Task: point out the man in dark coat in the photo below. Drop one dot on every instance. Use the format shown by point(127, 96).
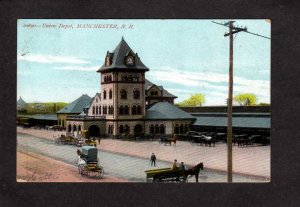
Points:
point(153, 160)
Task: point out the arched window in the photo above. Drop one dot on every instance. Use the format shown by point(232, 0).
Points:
point(186, 128)
point(96, 109)
point(156, 129)
point(152, 129)
point(105, 78)
point(74, 128)
point(124, 78)
point(176, 129)
point(104, 94)
point(121, 110)
point(93, 109)
point(96, 100)
point(110, 94)
point(139, 110)
point(104, 109)
point(127, 129)
point(110, 110)
point(181, 129)
point(123, 94)
point(109, 78)
point(121, 129)
point(162, 129)
point(133, 110)
point(135, 78)
point(69, 128)
point(99, 109)
point(126, 110)
point(136, 94)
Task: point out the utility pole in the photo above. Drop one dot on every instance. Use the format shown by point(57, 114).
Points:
point(232, 30)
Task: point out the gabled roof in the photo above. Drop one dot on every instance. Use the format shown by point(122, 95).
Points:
point(149, 84)
point(21, 101)
point(77, 105)
point(118, 56)
point(165, 110)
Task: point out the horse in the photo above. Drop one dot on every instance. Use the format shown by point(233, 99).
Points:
point(193, 171)
point(169, 141)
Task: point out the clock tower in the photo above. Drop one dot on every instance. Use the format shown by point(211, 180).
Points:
point(122, 82)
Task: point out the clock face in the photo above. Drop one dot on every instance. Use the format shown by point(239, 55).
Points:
point(129, 61)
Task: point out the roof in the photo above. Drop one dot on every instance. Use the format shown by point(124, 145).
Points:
point(237, 121)
point(52, 117)
point(21, 101)
point(149, 84)
point(118, 55)
point(76, 106)
point(165, 110)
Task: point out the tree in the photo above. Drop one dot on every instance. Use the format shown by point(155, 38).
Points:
point(194, 100)
point(245, 99)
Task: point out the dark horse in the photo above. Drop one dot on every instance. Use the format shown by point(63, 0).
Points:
point(193, 171)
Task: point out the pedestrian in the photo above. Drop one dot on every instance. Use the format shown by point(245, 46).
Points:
point(175, 166)
point(153, 160)
point(182, 167)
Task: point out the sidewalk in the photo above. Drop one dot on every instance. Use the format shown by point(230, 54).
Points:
point(253, 161)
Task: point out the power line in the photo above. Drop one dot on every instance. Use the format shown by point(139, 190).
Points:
point(245, 29)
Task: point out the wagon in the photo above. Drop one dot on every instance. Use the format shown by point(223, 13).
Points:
point(165, 175)
point(88, 162)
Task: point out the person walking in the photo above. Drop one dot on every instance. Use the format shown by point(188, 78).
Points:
point(153, 160)
point(175, 166)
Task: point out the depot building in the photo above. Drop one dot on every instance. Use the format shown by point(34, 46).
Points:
point(127, 105)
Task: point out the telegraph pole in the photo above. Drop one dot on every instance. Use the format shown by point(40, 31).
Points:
point(232, 30)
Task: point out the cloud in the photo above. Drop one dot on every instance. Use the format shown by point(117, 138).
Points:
point(79, 68)
point(39, 58)
point(211, 84)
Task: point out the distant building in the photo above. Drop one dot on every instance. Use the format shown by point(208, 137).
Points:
point(21, 104)
point(74, 108)
point(128, 104)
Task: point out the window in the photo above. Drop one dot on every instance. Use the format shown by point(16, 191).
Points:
point(96, 109)
point(105, 78)
point(121, 110)
point(126, 110)
point(104, 94)
point(136, 94)
point(96, 100)
point(69, 128)
point(99, 109)
point(123, 94)
point(104, 109)
point(162, 129)
point(139, 110)
point(110, 110)
point(133, 110)
point(110, 94)
point(152, 129)
point(176, 129)
point(121, 129)
point(181, 129)
point(93, 109)
point(124, 77)
point(156, 129)
point(127, 129)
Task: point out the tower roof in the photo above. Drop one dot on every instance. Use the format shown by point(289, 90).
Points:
point(76, 106)
point(118, 57)
point(21, 101)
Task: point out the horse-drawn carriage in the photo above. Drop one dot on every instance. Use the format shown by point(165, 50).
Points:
point(87, 162)
point(167, 140)
point(70, 140)
point(202, 138)
point(173, 175)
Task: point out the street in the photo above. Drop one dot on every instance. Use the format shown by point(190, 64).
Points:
point(118, 165)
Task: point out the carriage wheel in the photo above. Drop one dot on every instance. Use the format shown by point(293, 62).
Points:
point(100, 172)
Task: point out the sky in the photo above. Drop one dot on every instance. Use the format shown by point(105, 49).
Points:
point(57, 59)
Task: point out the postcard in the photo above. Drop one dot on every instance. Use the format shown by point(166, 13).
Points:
point(135, 100)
